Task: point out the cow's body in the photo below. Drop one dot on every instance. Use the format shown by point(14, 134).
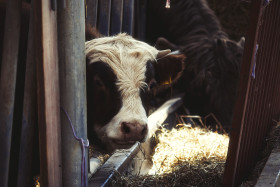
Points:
point(212, 62)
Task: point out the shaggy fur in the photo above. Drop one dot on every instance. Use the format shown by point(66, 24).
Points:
point(212, 59)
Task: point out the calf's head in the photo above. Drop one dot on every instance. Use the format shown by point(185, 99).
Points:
point(120, 76)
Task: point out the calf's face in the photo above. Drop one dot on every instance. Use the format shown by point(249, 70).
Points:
point(120, 74)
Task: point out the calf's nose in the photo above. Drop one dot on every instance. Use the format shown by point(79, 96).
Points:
point(134, 131)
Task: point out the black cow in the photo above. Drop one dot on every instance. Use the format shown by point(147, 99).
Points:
point(212, 62)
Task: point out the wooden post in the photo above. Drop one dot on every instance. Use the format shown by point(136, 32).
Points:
point(72, 66)
point(29, 114)
point(128, 16)
point(91, 12)
point(116, 17)
point(8, 83)
point(104, 17)
point(48, 93)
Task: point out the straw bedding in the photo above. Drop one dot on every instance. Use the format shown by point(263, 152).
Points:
point(184, 156)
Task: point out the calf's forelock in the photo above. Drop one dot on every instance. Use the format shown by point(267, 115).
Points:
point(126, 56)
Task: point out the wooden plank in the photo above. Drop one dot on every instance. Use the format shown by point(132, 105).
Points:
point(270, 176)
point(104, 16)
point(8, 83)
point(241, 102)
point(141, 16)
point(71, 32)
point(116, 17)
point(29, 121)
point(48, 93)
point(91, 12)
point(128, 16)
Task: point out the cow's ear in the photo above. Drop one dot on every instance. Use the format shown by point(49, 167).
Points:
point(169, 68)
point(91, 32)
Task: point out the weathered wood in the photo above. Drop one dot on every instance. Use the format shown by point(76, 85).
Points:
point(140, 19)
point(24, 174)
point(128, 16)
point(116, 17)
point(72, 66)
point(104, 17)
point(91, 12)
point(8, 83)
point(48, 93)
point(270, 176)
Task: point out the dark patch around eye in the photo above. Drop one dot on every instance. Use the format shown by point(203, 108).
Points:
point(103, 97)
point(150, 72)
point(145, 94)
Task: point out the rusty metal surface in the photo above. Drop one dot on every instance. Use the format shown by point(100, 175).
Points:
point(254, 114)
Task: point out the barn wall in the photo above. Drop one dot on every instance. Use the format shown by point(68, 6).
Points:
point(261, 105)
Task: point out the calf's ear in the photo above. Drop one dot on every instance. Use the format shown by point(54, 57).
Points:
point(169, 68)
point(91, 32)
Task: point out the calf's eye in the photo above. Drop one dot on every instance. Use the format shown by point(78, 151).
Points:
point(152, 84)
point(98, 82)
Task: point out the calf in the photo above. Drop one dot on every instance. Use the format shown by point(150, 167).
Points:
point(211, 71)
point(121, 74)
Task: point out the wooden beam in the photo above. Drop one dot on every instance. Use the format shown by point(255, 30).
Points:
point(29, 115)
point(116, 17)
point(48, 93)
point(104, 17)
point(8, 84)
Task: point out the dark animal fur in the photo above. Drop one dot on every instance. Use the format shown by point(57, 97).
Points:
point(212, 62)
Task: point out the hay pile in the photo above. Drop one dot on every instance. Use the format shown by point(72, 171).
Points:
point(184, 156)
point(190, 145)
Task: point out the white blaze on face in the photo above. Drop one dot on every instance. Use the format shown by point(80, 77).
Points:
point(127, 57)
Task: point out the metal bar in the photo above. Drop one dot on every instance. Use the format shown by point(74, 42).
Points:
point(128, 16)
point(241, 102)
point(29, 114)
point(91, 12)
point(116, 17)
point(72, 66)
point(8, 83)
point(48, 93)
point(104, 15)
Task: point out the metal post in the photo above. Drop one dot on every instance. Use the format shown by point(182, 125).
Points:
point(71, 45)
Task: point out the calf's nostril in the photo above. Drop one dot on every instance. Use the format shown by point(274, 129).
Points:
point(125, 128)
